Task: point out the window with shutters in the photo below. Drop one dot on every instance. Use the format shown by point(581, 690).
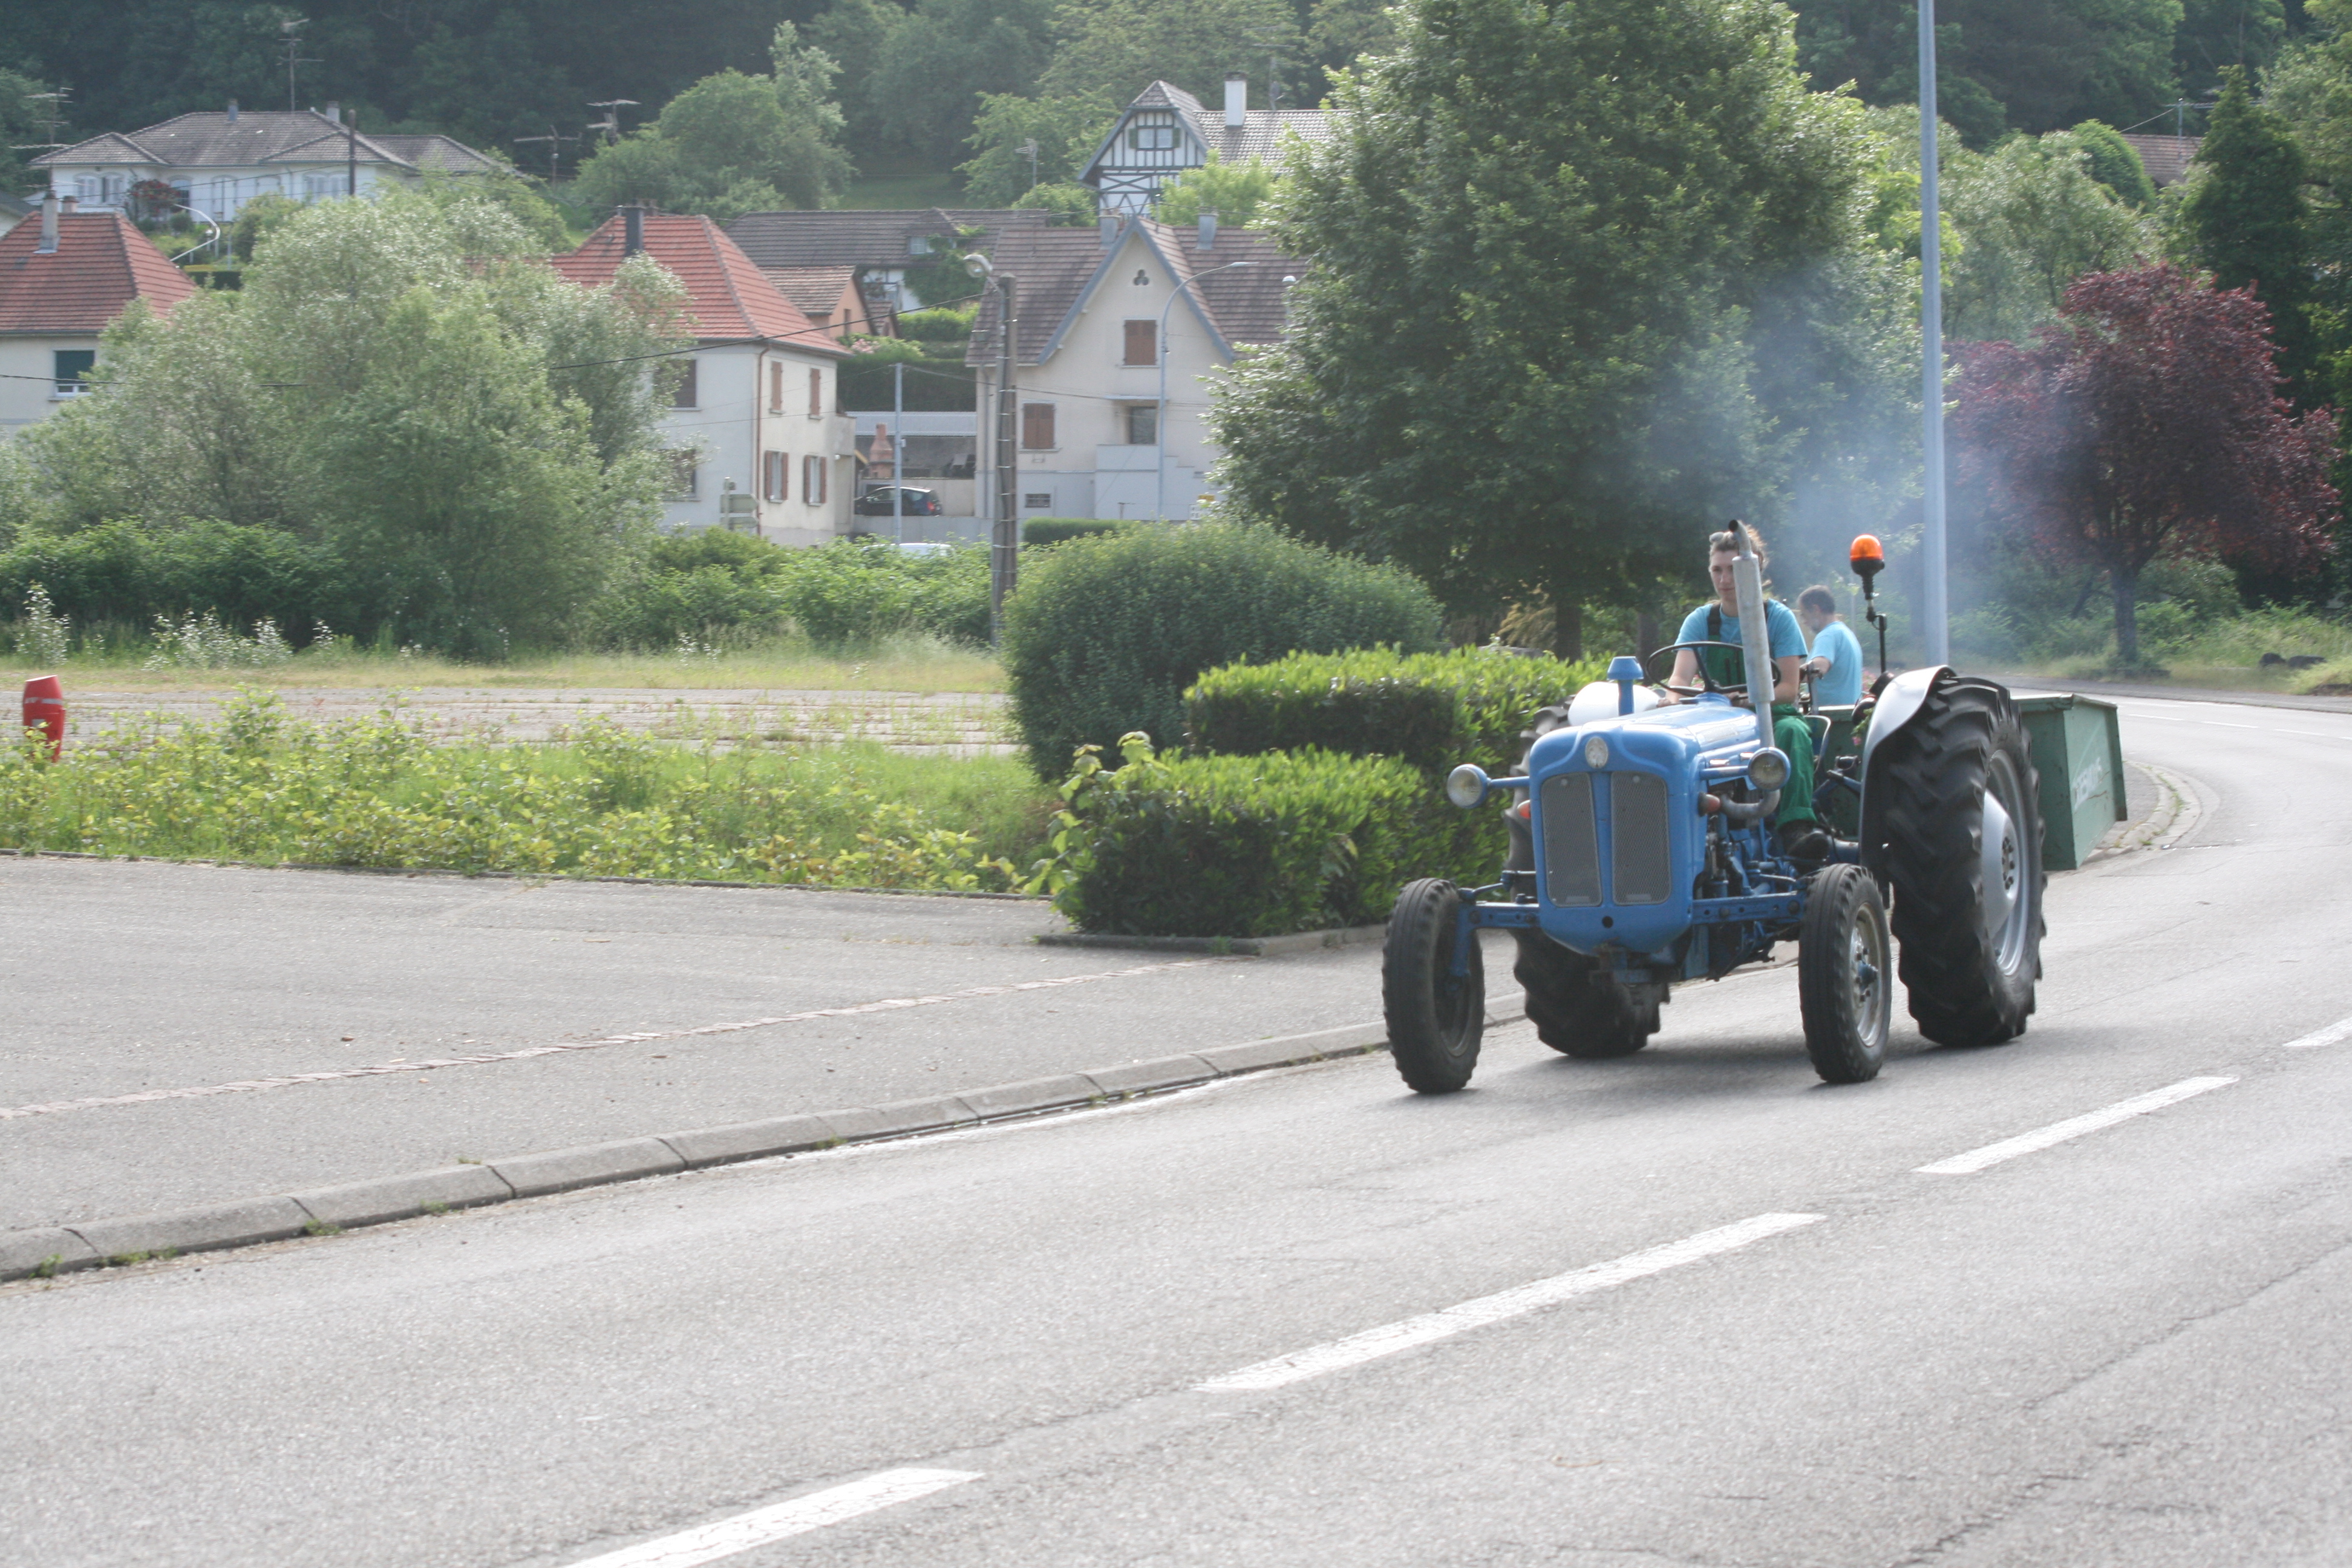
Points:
point(816, 395)
point(1037, 426)
point(1143, 343)
point(687, 394)
point(775, 470)
point(812, 480)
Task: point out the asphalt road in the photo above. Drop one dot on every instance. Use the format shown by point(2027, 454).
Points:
point(2124, 1347)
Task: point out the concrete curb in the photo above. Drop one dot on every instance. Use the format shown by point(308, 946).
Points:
point(57, 1249)
point(1245, 946)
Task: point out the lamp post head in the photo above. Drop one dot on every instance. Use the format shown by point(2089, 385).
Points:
point(977, 265)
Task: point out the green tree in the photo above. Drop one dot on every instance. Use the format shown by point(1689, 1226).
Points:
point(2114, 163)
point(1235, 192)
point(2030, 219)
point(1119, 48)
point(2244, 217)
point(2215, 35)
point(939, 67)
point(1066, 130)
point(733, 144)
point(1587, 275)
point(472, 435)
point(22, 118)
point(854, 34)
point(1339, 32)
point(1073, 206)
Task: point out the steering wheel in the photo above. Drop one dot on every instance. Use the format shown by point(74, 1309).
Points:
point(1707, 683)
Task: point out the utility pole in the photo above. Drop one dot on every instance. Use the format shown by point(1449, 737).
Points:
point(352, 150)
point(292, 29)
point(897, 452)
point(1005, 534)
point(1934, 613)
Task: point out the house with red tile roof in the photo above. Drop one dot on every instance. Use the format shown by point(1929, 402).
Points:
point(757, 436)
point(64, 277)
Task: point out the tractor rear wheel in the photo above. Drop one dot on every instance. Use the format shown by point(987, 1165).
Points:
point(1578, 1009)
point(1434, 1017)
point(1845, 985)
point(1959, 827)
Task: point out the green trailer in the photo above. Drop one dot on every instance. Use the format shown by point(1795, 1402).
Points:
point(2078, 750)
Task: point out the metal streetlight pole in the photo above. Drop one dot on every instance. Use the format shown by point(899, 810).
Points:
point(1934, 613)
point(1160, 417)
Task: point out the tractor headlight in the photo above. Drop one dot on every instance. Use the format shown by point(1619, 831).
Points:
point(1769, 769)
point(1466, 786)
point(1596, 752)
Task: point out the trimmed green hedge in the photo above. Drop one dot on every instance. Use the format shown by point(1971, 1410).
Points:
point(1107, 633)
point(128, 573)
point(1235, 845)
point(1056, 530)
point(1432, 711)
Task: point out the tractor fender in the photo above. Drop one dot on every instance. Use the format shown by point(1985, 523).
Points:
point(1897, 705)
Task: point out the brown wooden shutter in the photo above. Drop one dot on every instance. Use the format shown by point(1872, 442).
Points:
point(816, 393)
point(1143, 343)
point(775, 389)
point(1038, 425)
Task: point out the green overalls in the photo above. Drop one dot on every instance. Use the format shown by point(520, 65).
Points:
point(1789, 731)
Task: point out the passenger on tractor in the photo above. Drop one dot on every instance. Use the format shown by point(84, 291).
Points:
point(1801, 836)
point(1836, 661)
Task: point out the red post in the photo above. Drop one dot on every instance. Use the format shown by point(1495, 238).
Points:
point(45, 709)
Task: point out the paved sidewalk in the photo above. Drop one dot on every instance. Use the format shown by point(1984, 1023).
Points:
point(130, 979)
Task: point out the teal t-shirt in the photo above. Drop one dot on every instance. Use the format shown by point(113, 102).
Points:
point(1840, 687)
point(1782, 634)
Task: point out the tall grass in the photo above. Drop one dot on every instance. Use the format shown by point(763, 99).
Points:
point(260, 785)
point(120, 659)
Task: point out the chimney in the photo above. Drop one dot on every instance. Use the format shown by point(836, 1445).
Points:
point(48, 244)
point(232, 111)
point(1108, 224)
point(1236, 99)
point(1208, 228)
point(69, 205)
point(633, 230)
point(334, 112)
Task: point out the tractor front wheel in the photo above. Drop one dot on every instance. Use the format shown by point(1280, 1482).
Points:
point(1846, 986)
point(1579, 1008)
point(1434, 1017)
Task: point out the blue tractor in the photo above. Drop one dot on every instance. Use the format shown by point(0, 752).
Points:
point(1642, 854)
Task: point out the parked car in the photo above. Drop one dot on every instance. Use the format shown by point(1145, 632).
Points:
point(912, 502)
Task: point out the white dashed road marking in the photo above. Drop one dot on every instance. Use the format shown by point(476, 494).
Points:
point(711, 1542)
point(1373, 1344)
point(1976, 1159)
point(2339, 1030)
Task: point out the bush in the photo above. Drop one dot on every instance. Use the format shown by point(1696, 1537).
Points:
point(1056, 530)
point(1431, 710)
point(1235, 846)
point(130, 574)
point(1106, 634)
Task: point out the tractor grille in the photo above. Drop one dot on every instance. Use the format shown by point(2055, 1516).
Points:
point(1571, 842)
point(1637, 832)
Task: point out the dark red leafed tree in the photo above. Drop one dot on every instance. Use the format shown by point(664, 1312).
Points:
point(2145, 422)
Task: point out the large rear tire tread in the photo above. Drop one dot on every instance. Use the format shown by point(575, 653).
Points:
point(1845, 1014)
point(1935, 777)
point(1435, 1021)
point(1577, 1009)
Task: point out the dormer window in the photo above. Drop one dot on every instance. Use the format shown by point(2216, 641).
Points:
point(1155, 133)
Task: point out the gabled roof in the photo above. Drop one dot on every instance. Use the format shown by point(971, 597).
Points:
point(100, 265)
point(1258, 136)
point(1060, 269)
point(2166, 158)
point(729, 298)
point(817, 290)
point(214, 140)
point(877, 238)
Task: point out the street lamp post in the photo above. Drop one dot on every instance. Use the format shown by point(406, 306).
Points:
point(1159, 416)
point(1004, 532)
point(1934, 610)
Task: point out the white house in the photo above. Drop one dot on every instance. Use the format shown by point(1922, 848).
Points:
point(64, 277)
point(756, 436)
point(1123, 329)
point(1166, 131)
point(217, 162)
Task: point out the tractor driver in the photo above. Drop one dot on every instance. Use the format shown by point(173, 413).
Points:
point(1802, 837)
